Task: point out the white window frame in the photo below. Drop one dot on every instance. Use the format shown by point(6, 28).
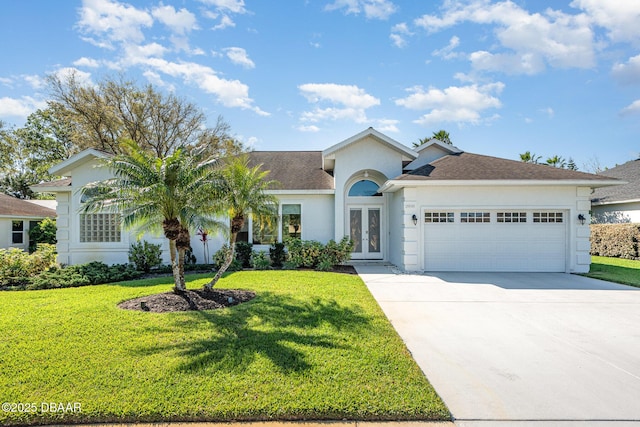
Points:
point(548, 217)
point(511, 217)
point(475, 217)
point(438, 217)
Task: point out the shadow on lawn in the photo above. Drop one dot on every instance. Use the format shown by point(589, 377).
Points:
point(271, 325)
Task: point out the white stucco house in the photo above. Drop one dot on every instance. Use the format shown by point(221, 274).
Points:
point(18, 216)
point(434, 208)
point(620, 203)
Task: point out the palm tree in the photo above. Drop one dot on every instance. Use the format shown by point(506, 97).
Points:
point(244, 195)
point(556, 161)
point(174, 194)
point(528, 157)
point(442, 136)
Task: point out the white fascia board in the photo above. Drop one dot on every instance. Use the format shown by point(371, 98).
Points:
point(287, 192)
point(394, 185)
point(61, 168)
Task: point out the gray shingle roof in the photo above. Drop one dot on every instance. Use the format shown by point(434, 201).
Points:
point(295, 170)
point(64, 182)
point(469, 166)
point(629, 172)
point(10, 206)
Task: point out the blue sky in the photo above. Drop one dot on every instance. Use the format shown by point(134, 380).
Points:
point(502, 77)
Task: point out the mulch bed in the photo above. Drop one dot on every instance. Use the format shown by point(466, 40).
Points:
point(191, 300)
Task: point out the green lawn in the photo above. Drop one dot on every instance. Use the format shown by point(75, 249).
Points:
point(311, 345)
point(617, 270)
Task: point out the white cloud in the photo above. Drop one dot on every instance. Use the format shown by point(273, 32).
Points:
point(82, 77)
point(548, 111)
point(116, 22)
point(627, 73)
point(372, 9)
point(387, 125)
point(620, 17)
point(225, 22)
point(35, 81)
point(348, 102)
point(633, 108)
point(230, 93)
point(239, 56)
point(531, 39)
point(20, 107)
point(310, 128)
point(180, 22)
point(398, 33)
point(347, 95)
point(461, 104)
point(86, 62)
point(156, 80)
point(447, 52)
point(234, 6)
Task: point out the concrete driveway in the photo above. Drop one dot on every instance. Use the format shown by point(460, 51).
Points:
point(519, 347)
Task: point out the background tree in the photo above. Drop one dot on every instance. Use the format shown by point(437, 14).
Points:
point(244, 195)
point(528, 157)
point(116, 110)
point(173, 195)
point(557, 162)
point(441, 135)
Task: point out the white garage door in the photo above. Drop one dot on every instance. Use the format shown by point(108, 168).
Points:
point(492, 240)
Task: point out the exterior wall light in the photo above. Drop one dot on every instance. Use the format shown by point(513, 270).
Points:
point(415, 219)
point(581, 218)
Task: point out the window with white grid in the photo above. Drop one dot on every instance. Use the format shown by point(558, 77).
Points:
point(438, 217)
point(547, 217)
point(475, 217)
point(512, 217)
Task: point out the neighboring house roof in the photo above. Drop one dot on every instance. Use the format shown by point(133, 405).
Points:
point(63, 184)
point(18, 208)
point(476, 167)
point(629, 192)
point(295, 170)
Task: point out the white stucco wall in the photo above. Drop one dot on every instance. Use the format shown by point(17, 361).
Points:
point(6, 232)
point(396, 226)
point(367, 154)
point(618, 212)
point(574, 200)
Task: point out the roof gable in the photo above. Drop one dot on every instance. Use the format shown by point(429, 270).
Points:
point(63, 168)
point(431, 151)
point(378, 136)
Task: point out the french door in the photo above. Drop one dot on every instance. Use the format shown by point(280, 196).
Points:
point(365, 230)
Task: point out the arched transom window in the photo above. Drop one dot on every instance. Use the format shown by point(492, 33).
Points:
point(364, 188)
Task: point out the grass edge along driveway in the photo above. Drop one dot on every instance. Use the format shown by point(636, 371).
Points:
point(311, 345)
point(618, 270)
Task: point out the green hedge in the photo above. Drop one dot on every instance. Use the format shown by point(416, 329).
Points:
point(615, 240)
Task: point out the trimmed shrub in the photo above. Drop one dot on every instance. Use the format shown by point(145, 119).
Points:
point(93, 273)
point(260, 260)
point(277, 255)
point(145, 255)
point(243, 253)
point(311, 253)
point(615, 240)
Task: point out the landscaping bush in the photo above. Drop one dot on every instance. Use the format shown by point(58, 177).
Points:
point(221, 255)
point(43, 232)
point(17, 266)
point(615, 240)
point(277, 255)
point(145, 255)
point(260, 260)
point(243, 253)
point(311, 253)
point(93, 273)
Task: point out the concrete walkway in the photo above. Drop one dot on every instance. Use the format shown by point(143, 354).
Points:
point(520, 349)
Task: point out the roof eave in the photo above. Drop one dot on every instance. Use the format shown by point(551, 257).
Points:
point(329, 152)
point(396, 184)
point(615, 202)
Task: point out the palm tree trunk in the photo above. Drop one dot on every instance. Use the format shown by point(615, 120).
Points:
point(178, 284)
point(181, 253)
point(227, 262)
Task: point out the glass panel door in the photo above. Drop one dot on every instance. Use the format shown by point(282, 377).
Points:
point(374, 230)
point(355, 229)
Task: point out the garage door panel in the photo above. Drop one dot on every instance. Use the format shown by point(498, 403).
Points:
point(494, 246)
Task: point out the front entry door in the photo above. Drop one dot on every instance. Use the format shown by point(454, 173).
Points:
point(365, 229)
